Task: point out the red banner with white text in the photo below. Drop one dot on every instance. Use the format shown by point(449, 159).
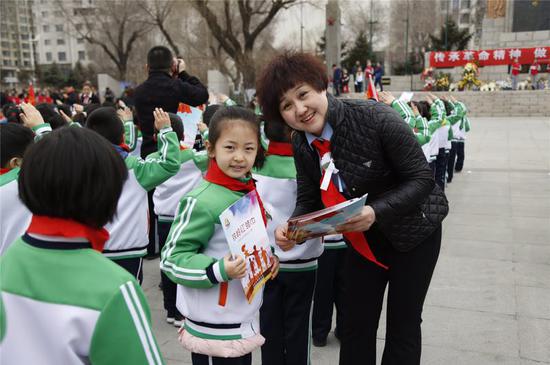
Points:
point(490, 57)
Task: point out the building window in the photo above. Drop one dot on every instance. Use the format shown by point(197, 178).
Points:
point(26, 55)
point(44, 14)
point(59, 28)
point(46, 28)
point(61, 56)
point(464, 4)
point(5, 44)
point(24, 28)
point(78, 26)
point(80, 40)
point(81, 55)
point(465, 18)
point(26, 63)
point(58, 13)
point(49, 56)
point(25, 36)
point(25, 46)
point(6, 53)
point(47, 42)
point(7, 62)
point(60, 42)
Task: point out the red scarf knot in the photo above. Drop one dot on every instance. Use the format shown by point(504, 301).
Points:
point(331, 197)
point(216, 176)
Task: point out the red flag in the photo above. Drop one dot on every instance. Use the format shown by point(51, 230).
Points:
point(32, 99)
point(371, 89)
point(184, 108)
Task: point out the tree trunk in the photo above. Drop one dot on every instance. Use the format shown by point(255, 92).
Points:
point(245, 65)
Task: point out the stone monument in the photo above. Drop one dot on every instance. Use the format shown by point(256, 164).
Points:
point(332, 35)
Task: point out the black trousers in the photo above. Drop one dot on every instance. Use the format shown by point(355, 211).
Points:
point(169, 288)
point(408, 279)
point(152, 246)
point(285, 318)
point(329, 292)
point(134, 266)
point(441, 167)
point(456, 159)
point(200, 359)
point(459, 156)
point(379, 82)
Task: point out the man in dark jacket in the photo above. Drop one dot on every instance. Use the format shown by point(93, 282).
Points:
point(168, 85)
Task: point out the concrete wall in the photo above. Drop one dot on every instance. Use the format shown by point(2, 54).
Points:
point(529, 103)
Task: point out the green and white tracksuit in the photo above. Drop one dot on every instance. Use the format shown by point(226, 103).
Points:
point(462, 124)
point(276, 185)
point(168, 194)
point(419, 126)
point(435, 124)
point(129, 229)
point(193, 258)
point(69, 305)
point(14, 215)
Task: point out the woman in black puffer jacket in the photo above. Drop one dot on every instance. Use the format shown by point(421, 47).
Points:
point(369, 149)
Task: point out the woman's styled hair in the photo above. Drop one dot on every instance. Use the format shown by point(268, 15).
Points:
point(224, 115)
point(105, 121)
point(285, 72)
point(14, 140)
point(72, 173)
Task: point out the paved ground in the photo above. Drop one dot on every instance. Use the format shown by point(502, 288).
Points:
point(489, 302)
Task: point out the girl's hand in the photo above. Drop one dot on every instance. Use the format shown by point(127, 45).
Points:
point(359, 223)
point(234, 267)
point(126, 115)
point(275, 267)
point(78, 108)
point(281, 238)
point(162, 119)
point(415, 109)
point(30, 116)
point(65, 116)
point(202, 126)
point(386, 97)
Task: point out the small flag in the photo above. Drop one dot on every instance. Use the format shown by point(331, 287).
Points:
point(371, 92)
point(32, 98)
point(184, 108)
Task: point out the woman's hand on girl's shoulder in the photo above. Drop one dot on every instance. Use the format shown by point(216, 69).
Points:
point(235, 268)
point(281, 239)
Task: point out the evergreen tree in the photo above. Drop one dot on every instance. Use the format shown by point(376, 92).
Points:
point(52, 75)
point(361, 51)
point(457, 40)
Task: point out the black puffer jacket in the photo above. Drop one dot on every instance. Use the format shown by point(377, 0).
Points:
point(375, 153)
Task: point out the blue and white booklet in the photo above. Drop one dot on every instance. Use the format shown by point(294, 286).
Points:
point(324, 222)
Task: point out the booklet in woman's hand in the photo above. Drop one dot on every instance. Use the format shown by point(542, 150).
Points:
point(324, 222)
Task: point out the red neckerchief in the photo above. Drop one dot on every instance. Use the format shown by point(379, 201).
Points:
point(182, 147)
point(4, 170)
point(279, 148)
point(332, 196)
point(50, 226)
point(216, 176)
point(124, 146)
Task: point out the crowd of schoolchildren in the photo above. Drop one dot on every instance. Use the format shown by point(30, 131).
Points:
point(75, 227)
